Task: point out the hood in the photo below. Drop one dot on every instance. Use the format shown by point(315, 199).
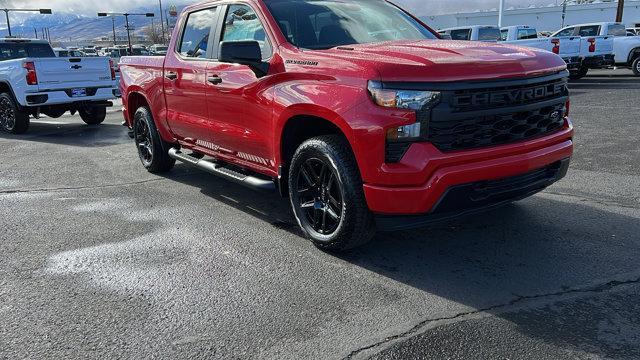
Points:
point(448, 60)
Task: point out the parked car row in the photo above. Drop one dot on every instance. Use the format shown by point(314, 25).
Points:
point(583, 46)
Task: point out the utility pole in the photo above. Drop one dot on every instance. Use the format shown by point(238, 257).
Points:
point(113, 25)
point(162, 24)
point(501, 13)
point(620, 11)
point(6, 13)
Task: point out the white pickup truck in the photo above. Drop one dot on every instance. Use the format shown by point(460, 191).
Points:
point(596, 48)
point(34, 81)
point(626, 49)
point(568, 47)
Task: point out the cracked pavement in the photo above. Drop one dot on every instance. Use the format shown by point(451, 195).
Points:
point(99, 259)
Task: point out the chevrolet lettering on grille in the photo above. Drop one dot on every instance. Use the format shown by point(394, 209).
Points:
point(506, 97)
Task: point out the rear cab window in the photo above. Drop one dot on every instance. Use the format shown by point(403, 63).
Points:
point(525, 34)
point(461, 34)
point(616, 30)
point(489, 34)
point(591, 30)
point(19, 50)
point(194, 42)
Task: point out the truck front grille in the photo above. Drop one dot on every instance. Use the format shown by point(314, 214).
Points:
point(479, 131)
point(476, 115)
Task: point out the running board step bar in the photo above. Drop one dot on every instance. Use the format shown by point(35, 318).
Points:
point(229, 174)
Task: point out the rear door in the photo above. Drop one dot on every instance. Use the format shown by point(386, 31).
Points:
point(185, 80)
point(243, 123)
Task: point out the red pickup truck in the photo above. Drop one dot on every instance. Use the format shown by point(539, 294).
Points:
point(355, 110)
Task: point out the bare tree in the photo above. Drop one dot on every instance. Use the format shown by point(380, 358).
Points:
point(153, 32)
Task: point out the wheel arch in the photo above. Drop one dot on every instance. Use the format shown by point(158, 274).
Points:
point(633, 54)
point(5, 87)
point(300, 127)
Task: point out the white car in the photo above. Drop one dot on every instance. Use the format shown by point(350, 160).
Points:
point(34, 81)
point(568, 48)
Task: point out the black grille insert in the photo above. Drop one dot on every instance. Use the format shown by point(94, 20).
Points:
point(494, 114)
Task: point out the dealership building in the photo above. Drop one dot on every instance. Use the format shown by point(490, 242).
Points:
point(544, 18)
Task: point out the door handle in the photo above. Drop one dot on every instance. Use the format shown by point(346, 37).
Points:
point(171, 75)
point(215, 80)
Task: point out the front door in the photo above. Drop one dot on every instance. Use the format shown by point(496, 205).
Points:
point(242, 121)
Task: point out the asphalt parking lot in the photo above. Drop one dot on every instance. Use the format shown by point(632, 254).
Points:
point(99, 259)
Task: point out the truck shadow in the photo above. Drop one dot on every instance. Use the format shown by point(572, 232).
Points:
point(535, 248)
point(72, 134)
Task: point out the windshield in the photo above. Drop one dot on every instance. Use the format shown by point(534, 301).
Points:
point(18, 50)
point(324, 24)
point(617, 30)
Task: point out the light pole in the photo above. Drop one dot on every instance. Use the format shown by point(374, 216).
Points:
point(501, 13)
point(564, 12)
point(126, 18)
point(162, 23)
point(6, 13)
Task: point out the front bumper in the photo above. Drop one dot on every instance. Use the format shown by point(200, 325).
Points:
point(443, 171)
point(63, 96)
point(466, 199)
point(596, 62)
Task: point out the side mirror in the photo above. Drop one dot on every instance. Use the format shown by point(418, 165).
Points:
point(244, 53)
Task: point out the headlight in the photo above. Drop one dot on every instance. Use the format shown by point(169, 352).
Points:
point(404, 99)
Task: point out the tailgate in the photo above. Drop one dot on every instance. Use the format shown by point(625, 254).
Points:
point(604, 45)
point(65, 73)
point(569, 46)
point(544, 43)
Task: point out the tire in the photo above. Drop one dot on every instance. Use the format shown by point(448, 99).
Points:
point(93, 115)
point(579, 73)
point(12, 119)
point(635, 66)
point(327, 198)
point(152, 150)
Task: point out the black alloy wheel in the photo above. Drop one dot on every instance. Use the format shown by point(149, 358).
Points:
point(144, 142)
point(319, 195)
point(7, 114)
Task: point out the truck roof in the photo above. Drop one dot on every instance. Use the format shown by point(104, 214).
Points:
point(22, 40)
point(470, 27)
point(518, 27)
point(597, 23)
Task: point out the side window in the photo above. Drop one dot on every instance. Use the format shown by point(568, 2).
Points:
point(242, 24)
point(195, 36)
point(461, 34)
point(592, 30)
point(566, 32)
